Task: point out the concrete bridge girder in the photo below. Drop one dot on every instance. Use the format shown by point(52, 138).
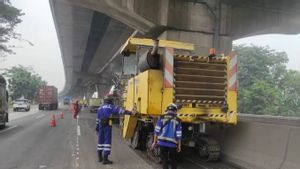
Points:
point(191, 21)
point(185, 20)
point(114, 10)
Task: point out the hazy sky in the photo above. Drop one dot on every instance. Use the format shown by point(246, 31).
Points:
point(45, 58)
point(38, 27)
point(288, 43)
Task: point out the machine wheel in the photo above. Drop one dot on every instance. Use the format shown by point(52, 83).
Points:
point(3, 125)
point(135, 139)
point(6, 118)
point(154, 155)
point(208, 149)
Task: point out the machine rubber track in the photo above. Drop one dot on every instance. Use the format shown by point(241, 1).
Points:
point(209, 149)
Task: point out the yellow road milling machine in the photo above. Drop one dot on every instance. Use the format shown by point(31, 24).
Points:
point(156, 73)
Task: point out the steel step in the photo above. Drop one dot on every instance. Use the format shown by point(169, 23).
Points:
point(200, 78)
point(199, 91)
point(202, 65)
point(203, 85)
point(198, 71)
point(198, 97)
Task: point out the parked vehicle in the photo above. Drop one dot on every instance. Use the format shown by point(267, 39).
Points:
point(67, 100)
point(21, 104)
point(83, 102)
point(47, 98)
point(3, 102)
point(94, 104)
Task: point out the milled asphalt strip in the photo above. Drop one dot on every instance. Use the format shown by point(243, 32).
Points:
point(197, 164)
point(10, 128)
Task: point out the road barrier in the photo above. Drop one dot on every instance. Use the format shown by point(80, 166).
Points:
point(261, 142)
point(61, 115)
point(52, 121)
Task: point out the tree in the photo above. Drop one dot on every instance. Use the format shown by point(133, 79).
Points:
point(9, 18)
point(290, 100)
point(266, 86)
point(22, 81)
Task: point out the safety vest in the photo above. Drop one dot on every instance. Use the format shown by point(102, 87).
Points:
point(168, 128)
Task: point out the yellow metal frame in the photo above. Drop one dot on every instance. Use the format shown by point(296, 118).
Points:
point(132, 43)
point(213, 114)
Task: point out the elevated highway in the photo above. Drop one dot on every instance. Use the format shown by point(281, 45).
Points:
point(91, 34)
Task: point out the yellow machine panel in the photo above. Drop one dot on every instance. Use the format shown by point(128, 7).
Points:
point(145, 93)
point(129, 124)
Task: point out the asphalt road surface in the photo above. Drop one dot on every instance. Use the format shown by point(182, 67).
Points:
point(28, 142)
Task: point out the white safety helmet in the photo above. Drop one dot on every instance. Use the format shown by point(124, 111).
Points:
point(172, 107)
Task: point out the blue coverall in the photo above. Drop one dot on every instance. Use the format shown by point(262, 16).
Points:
point(168, 130)
point(104, 135)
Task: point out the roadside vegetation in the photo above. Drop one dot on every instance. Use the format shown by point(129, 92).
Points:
point(10, 17)
point(266, 86)
point(23, 81)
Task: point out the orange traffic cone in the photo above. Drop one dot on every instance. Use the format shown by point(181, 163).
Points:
point(61, 115)
point(53, 122)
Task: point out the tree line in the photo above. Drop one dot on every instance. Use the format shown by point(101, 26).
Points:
point(265, 84)
point(23, 82)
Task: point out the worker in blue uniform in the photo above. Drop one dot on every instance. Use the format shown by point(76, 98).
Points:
point(167, 135)
point(104, 127)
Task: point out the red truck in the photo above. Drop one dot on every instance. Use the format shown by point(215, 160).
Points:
point(47, 98)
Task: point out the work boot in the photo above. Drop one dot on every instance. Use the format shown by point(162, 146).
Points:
point(106, 160)
point(100, 159)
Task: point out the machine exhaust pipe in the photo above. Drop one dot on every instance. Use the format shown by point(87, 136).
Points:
point(150, 60)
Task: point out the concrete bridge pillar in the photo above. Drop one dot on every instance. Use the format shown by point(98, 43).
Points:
point(203, 23)
point(101, 90)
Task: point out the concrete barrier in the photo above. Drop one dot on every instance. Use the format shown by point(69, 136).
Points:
point(261, 142)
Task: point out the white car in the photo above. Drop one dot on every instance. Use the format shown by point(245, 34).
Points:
point(21, 104)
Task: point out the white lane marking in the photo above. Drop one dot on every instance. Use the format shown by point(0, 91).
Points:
point(40, 116)
point(77, 119)
point(202, 166)
point(78, 131)
point(42, 166)
point(77, 143)
point(9, 128)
